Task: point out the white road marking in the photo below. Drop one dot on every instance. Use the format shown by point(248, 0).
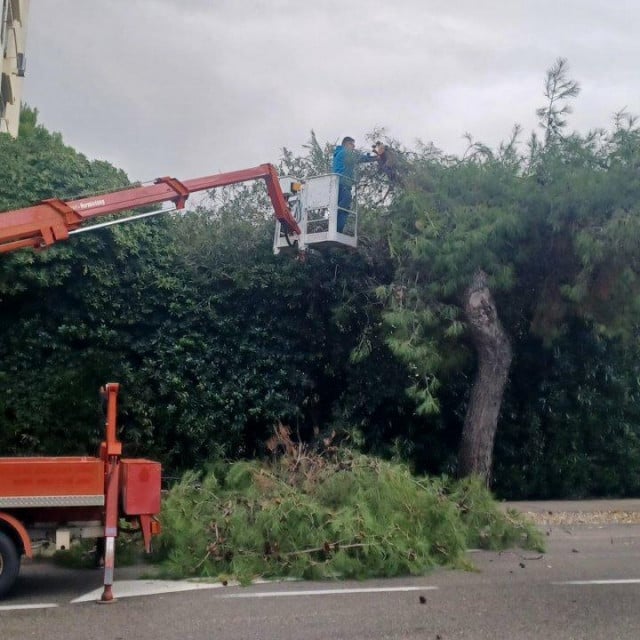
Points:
point(133, 588)
point(18, 607)
point(323, 592)
point(587, 582)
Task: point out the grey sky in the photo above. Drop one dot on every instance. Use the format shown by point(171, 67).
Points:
point(192, 87)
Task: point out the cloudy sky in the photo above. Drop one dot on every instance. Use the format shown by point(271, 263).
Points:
point(193, 87)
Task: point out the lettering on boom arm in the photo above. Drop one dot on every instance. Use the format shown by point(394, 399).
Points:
point(92, 204)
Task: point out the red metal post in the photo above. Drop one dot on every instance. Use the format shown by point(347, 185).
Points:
point(110, 452)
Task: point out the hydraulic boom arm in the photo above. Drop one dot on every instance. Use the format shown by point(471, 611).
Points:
point(50, 221)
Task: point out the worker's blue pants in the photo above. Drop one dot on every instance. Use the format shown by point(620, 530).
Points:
point(344, 205)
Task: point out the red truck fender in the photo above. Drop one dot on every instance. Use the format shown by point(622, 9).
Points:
point(15, 526)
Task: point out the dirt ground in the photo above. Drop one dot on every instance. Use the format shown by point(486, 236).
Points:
point(579, 512)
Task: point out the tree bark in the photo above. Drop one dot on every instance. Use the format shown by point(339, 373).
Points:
point(493, 349)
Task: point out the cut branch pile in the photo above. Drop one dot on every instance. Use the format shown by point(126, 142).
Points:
point(331, 513)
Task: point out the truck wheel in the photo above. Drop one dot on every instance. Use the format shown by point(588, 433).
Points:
point(9, 563)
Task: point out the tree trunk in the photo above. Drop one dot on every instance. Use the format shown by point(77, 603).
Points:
point(494, 359)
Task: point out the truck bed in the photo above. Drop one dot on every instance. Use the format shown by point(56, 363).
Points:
point(51, 482)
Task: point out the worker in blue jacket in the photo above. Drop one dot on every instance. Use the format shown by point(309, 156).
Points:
point(345, 159)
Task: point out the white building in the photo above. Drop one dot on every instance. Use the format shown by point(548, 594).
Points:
point(13, 31)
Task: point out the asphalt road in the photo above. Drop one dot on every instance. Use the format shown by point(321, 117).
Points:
point(512, 595)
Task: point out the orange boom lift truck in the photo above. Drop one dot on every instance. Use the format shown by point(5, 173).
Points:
point(57, 498)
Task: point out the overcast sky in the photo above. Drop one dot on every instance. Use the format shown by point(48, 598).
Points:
point(194, 87)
